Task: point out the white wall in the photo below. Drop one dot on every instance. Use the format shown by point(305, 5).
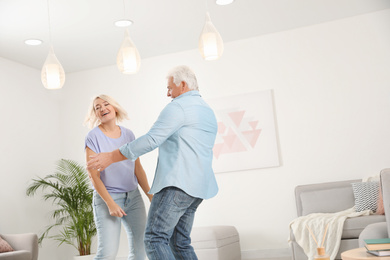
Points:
point(331, 86)
point(30, 146)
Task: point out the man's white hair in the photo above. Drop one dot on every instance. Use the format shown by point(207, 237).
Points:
point(183, 73)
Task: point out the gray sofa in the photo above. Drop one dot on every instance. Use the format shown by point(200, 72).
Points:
point(25, 246)
point(331, 197)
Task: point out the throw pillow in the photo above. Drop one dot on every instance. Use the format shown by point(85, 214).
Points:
point(366, 195)
point(380, 209)
point(4, 246)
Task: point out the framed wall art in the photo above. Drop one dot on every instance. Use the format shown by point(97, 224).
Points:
point(246, 136)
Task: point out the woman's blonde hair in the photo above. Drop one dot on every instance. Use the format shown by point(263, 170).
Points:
point(91, 120)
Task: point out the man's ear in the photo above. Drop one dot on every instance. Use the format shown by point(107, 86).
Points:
point(184, 85)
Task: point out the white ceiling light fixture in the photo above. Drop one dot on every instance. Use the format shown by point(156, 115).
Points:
point(128, 59)
point(52, 74)
point(210, 41)
point(33, 42)
point(123, 23)
point(224, 2)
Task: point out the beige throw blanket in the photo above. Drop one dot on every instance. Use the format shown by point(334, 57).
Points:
point(317, 223)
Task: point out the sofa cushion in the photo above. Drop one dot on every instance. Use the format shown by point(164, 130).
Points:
point(354, 226)
point(366, 195)
point(323, 201)
point(4, 246)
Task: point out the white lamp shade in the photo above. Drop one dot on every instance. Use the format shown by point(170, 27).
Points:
point(52, 74)
point(210, 41)
point(128, 59)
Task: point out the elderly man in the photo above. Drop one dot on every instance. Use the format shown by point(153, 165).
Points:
point(185, 133)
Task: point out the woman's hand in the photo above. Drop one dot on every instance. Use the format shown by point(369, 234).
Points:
point(116, 211)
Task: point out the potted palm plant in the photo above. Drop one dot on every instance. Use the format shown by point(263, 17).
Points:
point(68, 188)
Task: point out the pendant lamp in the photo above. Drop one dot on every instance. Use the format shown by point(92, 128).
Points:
point(128, 59)
point(52, 74)
point(210, 41)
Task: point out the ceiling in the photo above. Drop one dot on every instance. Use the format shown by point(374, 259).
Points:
point(84, 35)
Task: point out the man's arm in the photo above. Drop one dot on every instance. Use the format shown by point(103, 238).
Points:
point(169, 121)
point(101, 161)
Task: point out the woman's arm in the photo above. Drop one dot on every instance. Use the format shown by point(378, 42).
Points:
point(142, 179)
point(94, 175)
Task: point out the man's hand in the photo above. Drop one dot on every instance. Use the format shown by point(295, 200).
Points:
point(99, 161)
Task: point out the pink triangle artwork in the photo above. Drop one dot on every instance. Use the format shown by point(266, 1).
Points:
point(237, 117)
point(246, 136)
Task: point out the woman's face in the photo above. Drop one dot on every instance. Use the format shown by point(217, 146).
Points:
point(103, 110)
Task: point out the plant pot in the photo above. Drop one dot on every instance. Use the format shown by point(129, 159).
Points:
point(84, 257)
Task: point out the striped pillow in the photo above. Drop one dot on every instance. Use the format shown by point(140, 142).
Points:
point(366, 195)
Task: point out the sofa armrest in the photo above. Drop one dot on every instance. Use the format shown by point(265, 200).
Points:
point(16, 255)
point(28, 242)
point(327, 197)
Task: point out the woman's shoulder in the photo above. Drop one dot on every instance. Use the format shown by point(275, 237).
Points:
point(93, 132)
point(125, 129)
point(127, 132)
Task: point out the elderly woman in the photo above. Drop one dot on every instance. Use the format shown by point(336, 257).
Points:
point(116, 196)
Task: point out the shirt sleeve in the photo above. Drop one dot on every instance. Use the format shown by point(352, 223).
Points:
point(169, 121)
point(90, 142)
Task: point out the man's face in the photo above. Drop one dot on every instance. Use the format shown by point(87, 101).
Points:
point(173, 90)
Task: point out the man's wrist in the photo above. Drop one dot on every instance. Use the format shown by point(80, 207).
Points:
point(117, 156)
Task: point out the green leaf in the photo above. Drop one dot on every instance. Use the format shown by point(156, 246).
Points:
point(68, 188)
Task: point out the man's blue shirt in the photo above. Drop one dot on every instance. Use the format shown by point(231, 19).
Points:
point(185, 133)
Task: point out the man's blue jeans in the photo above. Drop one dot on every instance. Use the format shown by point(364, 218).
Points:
point(169, 225)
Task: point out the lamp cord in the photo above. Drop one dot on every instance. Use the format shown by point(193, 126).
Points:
point(48, 17)
point(124, 10)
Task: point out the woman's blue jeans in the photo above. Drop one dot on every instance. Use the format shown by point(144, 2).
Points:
point(109, 227)
point(169, 225)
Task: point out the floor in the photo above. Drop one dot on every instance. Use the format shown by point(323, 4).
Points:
point(277, 258)
point(269, 254)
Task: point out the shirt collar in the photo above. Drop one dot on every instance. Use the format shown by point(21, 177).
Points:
point(189, 93)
